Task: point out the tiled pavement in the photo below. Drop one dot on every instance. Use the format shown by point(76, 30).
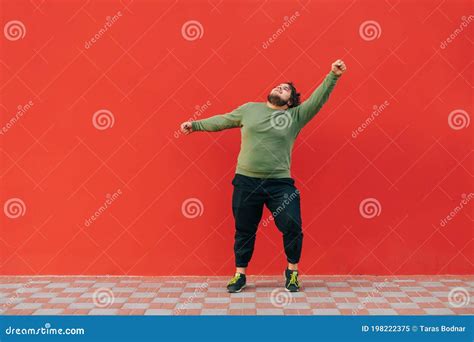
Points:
point(321, 295)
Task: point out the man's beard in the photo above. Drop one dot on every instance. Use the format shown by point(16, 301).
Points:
point(276, 100)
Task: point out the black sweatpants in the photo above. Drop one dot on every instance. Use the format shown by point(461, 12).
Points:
point(282, 198)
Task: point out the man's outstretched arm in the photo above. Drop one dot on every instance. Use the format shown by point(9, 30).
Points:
point(308, 109)
point(215, 123)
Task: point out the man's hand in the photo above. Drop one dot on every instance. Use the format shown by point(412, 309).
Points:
point(186, 127)
point(338, 67)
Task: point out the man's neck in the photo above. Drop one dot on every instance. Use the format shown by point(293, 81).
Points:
point(272, 106)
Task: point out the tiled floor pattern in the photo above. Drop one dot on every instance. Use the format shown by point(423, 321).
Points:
point(264, 295)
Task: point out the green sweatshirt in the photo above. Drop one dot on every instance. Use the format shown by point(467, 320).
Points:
point(267, 134)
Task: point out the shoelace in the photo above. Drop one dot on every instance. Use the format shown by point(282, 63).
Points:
point(234, 279)
point(294, 279)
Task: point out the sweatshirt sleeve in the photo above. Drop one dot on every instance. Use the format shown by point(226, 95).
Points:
point(220, 122)
point(308, 109)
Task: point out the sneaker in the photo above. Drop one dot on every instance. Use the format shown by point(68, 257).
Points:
point(292, 284)
point(237, 283)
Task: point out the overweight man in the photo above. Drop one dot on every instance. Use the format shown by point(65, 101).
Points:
point(262, 176)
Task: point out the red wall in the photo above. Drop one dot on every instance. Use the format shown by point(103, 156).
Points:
point(57, 168)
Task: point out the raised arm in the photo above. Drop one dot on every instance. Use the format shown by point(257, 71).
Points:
point(215, 123)
point(308, 109)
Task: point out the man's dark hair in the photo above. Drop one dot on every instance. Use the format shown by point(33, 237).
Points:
point(294, 97)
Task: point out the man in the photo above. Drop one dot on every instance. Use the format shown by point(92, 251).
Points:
point(263, 176)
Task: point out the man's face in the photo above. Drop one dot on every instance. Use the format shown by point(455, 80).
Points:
point(280, 95)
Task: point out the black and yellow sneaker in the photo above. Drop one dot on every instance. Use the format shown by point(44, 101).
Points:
point(291, 284)
point(237, 283)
